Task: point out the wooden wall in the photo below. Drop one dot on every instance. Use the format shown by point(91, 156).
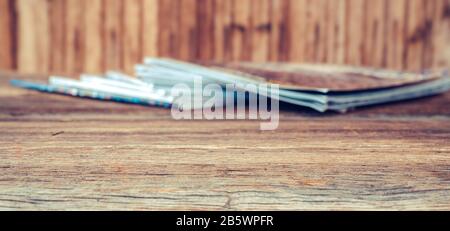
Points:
point(71, 36)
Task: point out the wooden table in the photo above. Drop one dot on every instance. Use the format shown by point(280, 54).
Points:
point(59, 152)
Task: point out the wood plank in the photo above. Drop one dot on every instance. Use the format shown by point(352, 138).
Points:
point(174, 25)
point(298, 35)
point(241, 30)
point(222, 30)
point(282, 41)
point(261, 29)
point(25, 60)
point(132, 43)
point(113, 40)
point(278, 35)
point(33, 36)
point(396, 36)
point(57, 17)
point(354, 38)
point(8, 38)
point(150, 28)
point(428, 48)
point(316, 50)
point(167, 19)
point(125, 163)
point(441, 34)
point(42, 31)
point(415, 34)
point(187, 30)
point(336, 32)
point(93, 36)
point(205, 29)
point(310, 35)
point(375, 33)
point(314, 36)
point(75, 40)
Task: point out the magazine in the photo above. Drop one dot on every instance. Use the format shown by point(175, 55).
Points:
point(317, 86)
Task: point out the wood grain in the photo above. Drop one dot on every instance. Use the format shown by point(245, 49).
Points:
point(414, 37)
point(94, 33)
point(57, 10)
point(131, 34)
point(396, 29)
point(335, 26)
point(312, 31)
point(297, 37)
point(7, 39)
point(187, 28)
point(441, 33)
point(33, 36)
point(354, 37)
point(77, 36)
point(428, 46)
point(222, 29)
point(205, 30)
point(113, 49)
point(278, 34)
point(150, 28)
point(60, 152)
point(74, 33)
point(260, 23)
point(165, 35)
point(241, 30)
point(375, 33)
point(317, 31)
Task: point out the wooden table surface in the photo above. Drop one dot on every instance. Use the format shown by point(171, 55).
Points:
point(59, 152)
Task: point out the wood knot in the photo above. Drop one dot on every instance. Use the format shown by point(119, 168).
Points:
point(422, 32)
point(264, 27)
point(446, 12)
point(239, 27)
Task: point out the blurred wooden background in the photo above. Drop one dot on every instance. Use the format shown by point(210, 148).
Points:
point(71, 36)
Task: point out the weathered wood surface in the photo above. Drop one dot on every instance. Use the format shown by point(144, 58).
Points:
point(41, 36)
point(59, 152)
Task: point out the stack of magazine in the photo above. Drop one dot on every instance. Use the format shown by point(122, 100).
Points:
point(321, 87)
